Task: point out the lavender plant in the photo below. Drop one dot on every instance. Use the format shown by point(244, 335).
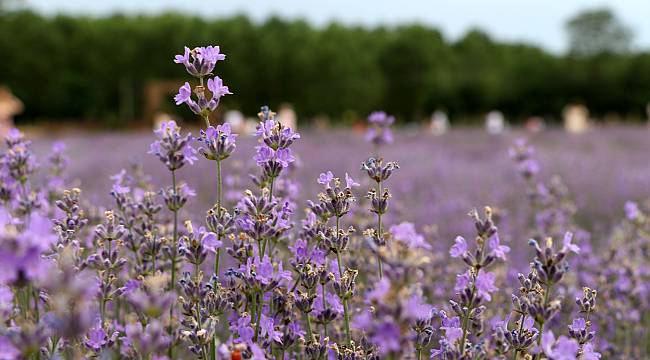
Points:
point(79, 280)
point(218, 142)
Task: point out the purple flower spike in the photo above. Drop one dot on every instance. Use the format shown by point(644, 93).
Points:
point(173, 149)
point(200, 61)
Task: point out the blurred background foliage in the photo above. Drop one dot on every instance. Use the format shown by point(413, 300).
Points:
point(65, 67)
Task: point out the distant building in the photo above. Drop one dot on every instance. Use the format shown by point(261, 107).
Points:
point(236, 120)
point(287, 116)
point(495, 122)
point(156, 94)
point(10, 106)
point(535, 124)
point(321, 122)
point(576, 118)
point(439, 123)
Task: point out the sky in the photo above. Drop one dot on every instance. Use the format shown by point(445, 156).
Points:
point(533, 21)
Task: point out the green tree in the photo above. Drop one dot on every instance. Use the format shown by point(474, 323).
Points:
point(408, 61)
point(598, 31)
point(96, 68)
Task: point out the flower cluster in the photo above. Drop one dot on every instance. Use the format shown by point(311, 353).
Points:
point(474, 289)
point(200, 62)
point(379, 132)
point(173, 149)
point(219, 142)
point(273, 153)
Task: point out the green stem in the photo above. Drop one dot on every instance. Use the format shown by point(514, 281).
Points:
point(263, 250)
point(118, 305)
point(216, 260)
point(541, 323)
point(27, 300)
point(379, 232)
point(265, 241)
point(174, 235)
point(470, 306)
point(309, 333)
point(218, 255)
point(219, 182)
point(102, 309)
point(346, 314)
point(213, 349)
point(466, 318)
point(259, 315)
point(172, 285)
point(36, 301)
point(253, 306)
point(324, 307)
point(271, 189)
point(55, 342)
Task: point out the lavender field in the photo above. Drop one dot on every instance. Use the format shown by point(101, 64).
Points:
point(441, 178)
point(392, 244)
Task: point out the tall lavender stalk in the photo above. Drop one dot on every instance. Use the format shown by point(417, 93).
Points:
point(273, 154)
point(107, 261)
point(550, 267)
point(379, 173)
point(219, 142)
point(174, 150)
point(378, 134)
point(482, 282)
point(336, 202)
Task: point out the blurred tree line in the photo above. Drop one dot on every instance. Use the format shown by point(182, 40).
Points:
point(66, 67)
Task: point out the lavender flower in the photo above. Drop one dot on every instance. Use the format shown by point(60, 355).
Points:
point(173, 149)
point(405, 233)
point(274, 154)
point(219, 142)
point(18, 161)
point(200, 61)
point(379, 132)
point(98, 339)
point(202, 105)
point(475, 286)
